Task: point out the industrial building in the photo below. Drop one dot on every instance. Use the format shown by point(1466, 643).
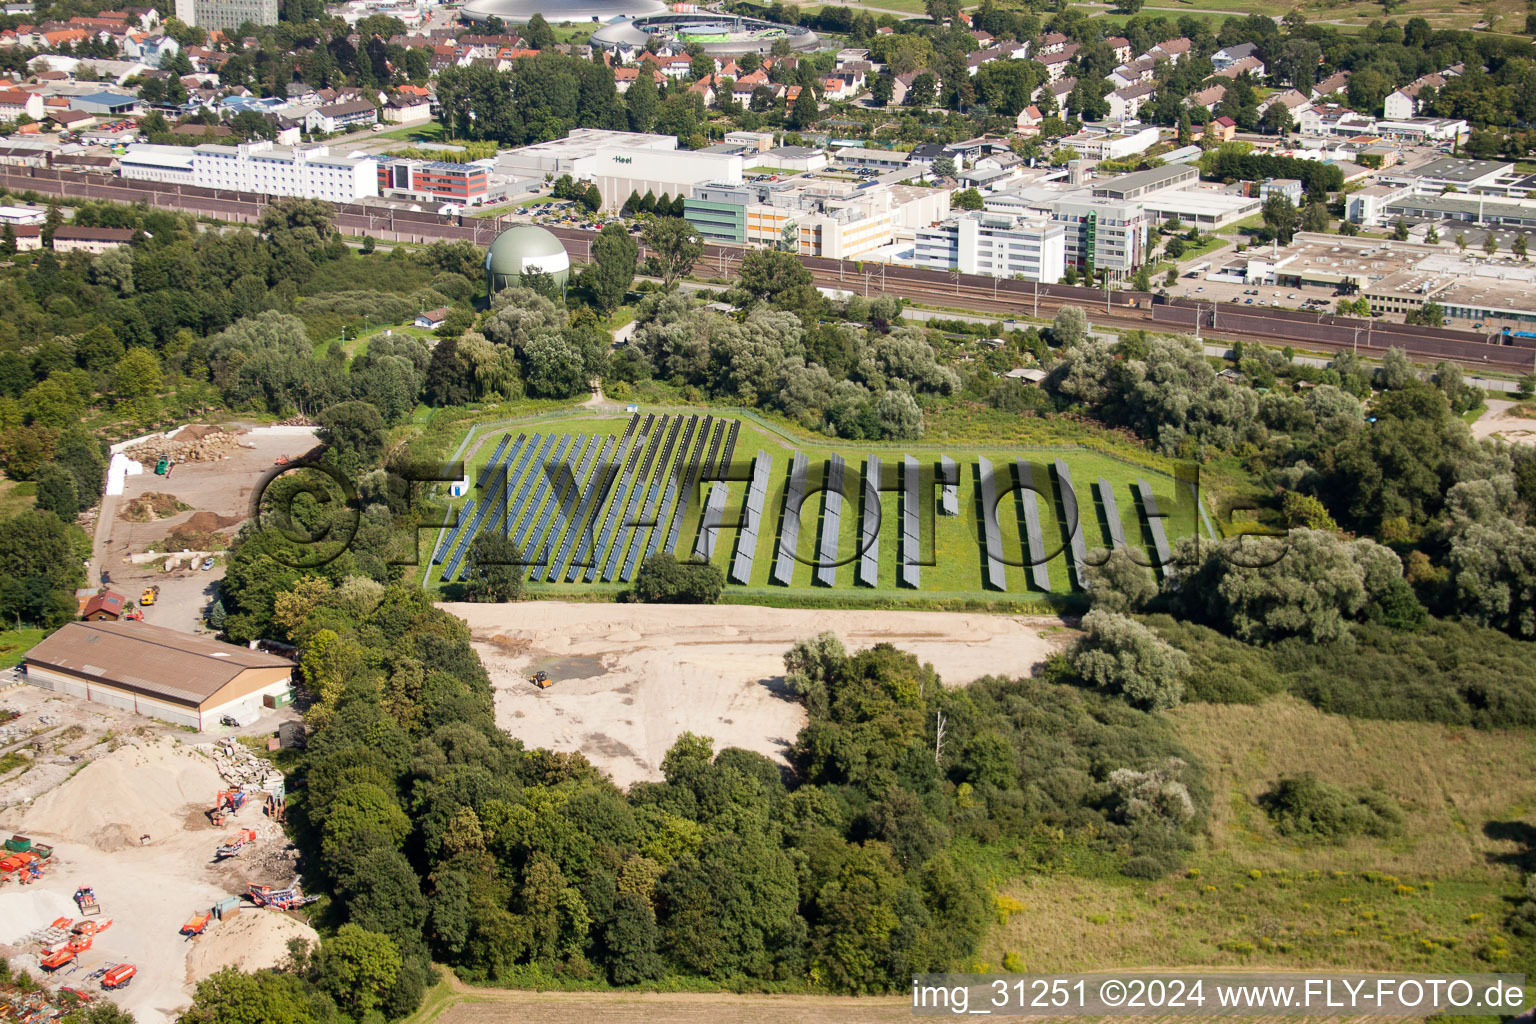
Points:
point(176, 677)
point(619, 163)
point(819, 217)
point(1032, 249)
point(259, 167)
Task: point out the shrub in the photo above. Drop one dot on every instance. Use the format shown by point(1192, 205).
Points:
point(1120, 655)
point(664, 580)
point(1308, 808)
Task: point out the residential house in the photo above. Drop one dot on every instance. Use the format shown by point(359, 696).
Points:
point(705, 88)
point(623, 78)
point(107, 606)
point(675, 67)
point(838, 87)
point(1057, 64)
point(1060, 92)
point(69, 238)
point(431, 319)
point(847, 56)
point(1171, 50)
point(982, 36)
point(1222, 129)
point(1405, 102)
point(1028, 122)
point(1290, 99)
point(1142, 69)
point(14, 103)
point(1125, 104)
point(1336, 82)
point(1229, 55)
point(404, 108)
point(1251, 66)
point(901, 87)
point(1207, 97)
point(1051, 42)
point(335, 117)
point(1121, 47)
point(977, 58)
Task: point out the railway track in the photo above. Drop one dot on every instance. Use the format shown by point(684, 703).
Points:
point(974, 293)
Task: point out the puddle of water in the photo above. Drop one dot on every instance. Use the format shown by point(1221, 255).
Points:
point(582, 666)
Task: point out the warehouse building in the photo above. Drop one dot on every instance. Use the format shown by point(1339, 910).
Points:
point(150, 670)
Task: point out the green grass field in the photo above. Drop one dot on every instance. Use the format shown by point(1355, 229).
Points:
point(1434, 898)
point(15, 643)
point(952, 544)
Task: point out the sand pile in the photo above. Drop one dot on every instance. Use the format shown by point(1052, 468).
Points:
point(141, 788)
point(24, 911)
point(247, 940)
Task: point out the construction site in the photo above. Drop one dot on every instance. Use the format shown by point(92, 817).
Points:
point(137, 863)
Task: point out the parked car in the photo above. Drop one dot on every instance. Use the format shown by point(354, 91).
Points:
point(207, 563)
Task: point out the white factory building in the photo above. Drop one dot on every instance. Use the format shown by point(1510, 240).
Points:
point(1033, 249)
point(619, 163)
point(259, 167)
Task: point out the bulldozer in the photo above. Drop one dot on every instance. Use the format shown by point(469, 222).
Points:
point(230, 800)
point(541, 680)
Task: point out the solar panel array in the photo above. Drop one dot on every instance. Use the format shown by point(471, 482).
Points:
point(1112, 513)
point(1155, 524)
point(630, 501)
point(495, 500)
point(647, 514)
point(594, 549)
point(868, 572)
point(545, 534)
point(746, 543)
point(789, 529)
point(693, 439)
point(908, 571)
point(572, 503)
point(697, 470)
point(1077, 550)
point(991, 536)
point(949, 493)
point(1035, 554)
point(831, 524)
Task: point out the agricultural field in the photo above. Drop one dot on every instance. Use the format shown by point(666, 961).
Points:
point(554, 518)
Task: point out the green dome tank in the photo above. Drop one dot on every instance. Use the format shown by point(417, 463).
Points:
point(518, 251)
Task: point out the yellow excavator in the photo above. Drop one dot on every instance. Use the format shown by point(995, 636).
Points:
point(541, 680)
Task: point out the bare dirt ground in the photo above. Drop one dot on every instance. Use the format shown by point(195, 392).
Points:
point(219, 496)
point(1500, 421)
point(99, 780)
point(629, 679)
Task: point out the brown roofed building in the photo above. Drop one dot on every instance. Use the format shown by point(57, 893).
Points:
point(177, 677)
point(105, 607)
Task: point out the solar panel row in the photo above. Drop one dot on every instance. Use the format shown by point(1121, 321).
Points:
point(1034, 555)
point(831, 524)
point(746, 542)
point(535, 459)
point(485, 472)
point(869, 525)
point(583, 529)
point(465, 514)
point(789, 529)
point(991, 536)
point(712, 432)
point(709, 528)
point(676, 480)
point(1155, 524)
point(1112, 513)
point(909, 573)
point(1077, 549)
point(949, 493)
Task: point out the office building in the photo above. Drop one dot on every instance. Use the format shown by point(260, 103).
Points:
point(459, 183)
point(1033, 249)
point(1102, 234)
point(258, 167)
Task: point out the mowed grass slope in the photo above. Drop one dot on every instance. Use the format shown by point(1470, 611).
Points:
point(1434, 898)
point(952, 544)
